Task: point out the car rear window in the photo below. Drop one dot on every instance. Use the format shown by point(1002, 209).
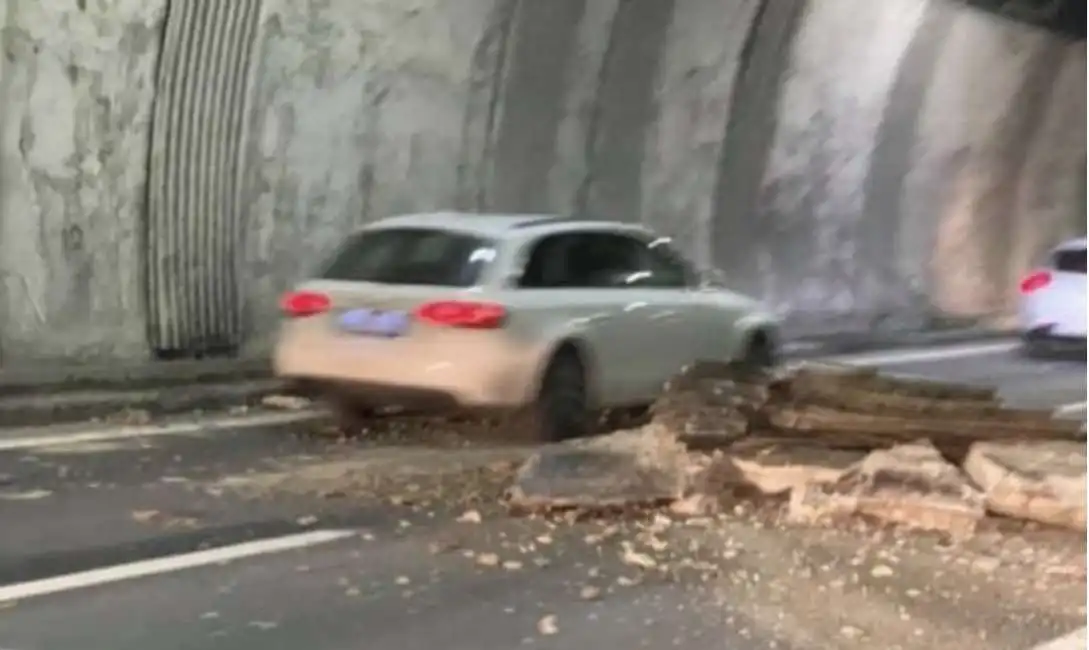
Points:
point(419, 256)
point(1070, 261)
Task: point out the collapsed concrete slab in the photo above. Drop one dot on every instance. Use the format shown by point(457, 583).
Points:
point(909, 485)
point(639, 467)
point(1038, 481)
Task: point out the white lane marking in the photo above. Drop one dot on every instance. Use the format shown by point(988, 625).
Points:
point(1070, 409)
point(168, 564)
point(920, 355)
point(1073, 641)
point(152, 430)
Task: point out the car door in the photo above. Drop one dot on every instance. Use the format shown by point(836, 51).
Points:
point(570, 285)
point(677, 314)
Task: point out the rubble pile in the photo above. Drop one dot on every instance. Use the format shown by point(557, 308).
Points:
point(831, 442)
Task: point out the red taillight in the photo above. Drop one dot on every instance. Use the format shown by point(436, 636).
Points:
point(455, 313)
point(299, 304)
point(1035, 281)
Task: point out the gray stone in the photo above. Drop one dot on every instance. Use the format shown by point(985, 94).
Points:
point(1042, 481)
point(628, 468)
point(909, 485)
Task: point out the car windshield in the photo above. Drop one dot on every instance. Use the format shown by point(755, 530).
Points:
point(1070, 260)
point(420, 256)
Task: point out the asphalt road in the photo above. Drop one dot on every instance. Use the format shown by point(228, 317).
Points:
point(384, 571)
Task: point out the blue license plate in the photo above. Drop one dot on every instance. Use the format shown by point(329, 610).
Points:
point(371, 322)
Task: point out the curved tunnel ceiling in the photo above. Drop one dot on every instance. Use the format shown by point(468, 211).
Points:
point(1066, 17)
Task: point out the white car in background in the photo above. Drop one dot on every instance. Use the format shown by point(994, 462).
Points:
point(1053, 302)
point(551, 317)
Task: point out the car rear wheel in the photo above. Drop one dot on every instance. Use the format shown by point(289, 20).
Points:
point(760, 353)
point(350, 417)
point(561, 410)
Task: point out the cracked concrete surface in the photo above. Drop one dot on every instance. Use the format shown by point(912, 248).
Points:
point(846, 160)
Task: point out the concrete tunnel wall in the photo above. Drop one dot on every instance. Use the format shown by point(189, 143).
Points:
point(167, 170)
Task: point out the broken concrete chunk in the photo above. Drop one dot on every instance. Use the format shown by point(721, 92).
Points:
point(628, 468)
point(775, 469)
point(1038, 481)
point(711, 404)
point(910, 485)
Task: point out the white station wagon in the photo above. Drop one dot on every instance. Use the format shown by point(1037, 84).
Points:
point(551, 317)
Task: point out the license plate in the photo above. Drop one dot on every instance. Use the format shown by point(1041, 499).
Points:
point(371, 322)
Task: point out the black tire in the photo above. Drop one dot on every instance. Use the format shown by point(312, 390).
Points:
point(1030, 350)
point(760, 353)
point(561, 411)
point(350, 417)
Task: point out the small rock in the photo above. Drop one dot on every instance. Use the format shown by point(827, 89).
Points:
point(470, 517)
point(695, 505)
point(487, 559)
point(144, 516)
point(882, 571)
point(641, 560)
point(285, 402)
point(850, 632)
point(589, 592)
point(547, 625)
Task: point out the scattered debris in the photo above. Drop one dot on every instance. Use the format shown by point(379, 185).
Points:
point(836, 441)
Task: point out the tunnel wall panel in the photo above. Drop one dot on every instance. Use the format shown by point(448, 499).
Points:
point(857, 164)
point(194, 223)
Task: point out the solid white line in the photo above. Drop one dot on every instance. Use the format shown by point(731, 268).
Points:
point(920, 355)
point(168, 564)
point(152, 430)
point(1073, 641)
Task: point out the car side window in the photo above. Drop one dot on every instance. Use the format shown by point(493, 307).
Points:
point(546, 266)
point(586, 260)
point(668, 268)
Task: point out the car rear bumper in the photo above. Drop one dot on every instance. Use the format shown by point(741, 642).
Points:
point(1044, 340)
point(377, 375)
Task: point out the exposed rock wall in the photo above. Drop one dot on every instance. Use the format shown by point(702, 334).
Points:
point(853, 162)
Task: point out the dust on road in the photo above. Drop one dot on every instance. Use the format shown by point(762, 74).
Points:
point(1010, 586)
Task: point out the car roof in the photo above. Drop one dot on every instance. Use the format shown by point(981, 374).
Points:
point(493, 225)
